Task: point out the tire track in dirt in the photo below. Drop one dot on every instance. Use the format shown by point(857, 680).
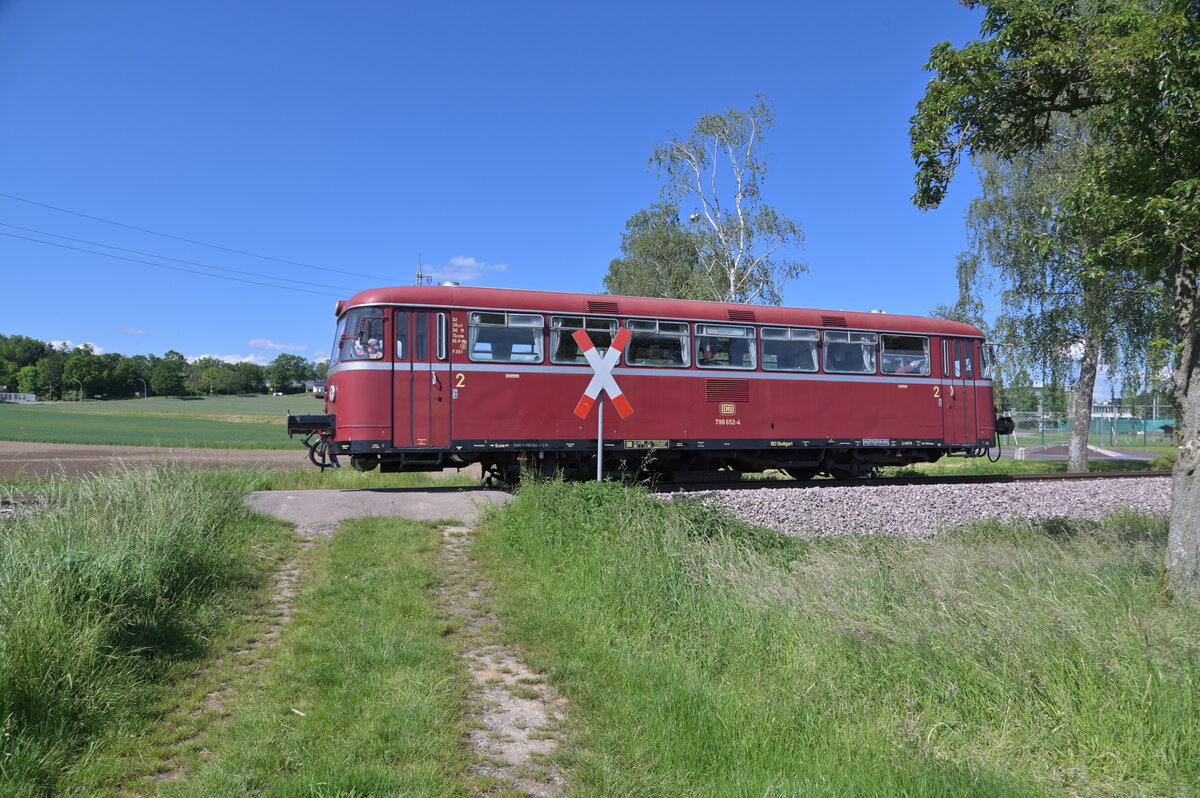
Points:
point(514, 714)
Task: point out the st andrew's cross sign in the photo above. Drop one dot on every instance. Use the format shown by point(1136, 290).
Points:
point(603, 379)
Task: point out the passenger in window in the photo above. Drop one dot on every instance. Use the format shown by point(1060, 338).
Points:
point(707, 358)
point(374, 352)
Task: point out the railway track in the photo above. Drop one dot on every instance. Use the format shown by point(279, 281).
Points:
point(970, 479)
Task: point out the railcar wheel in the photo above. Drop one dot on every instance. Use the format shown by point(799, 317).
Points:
point(364, 462)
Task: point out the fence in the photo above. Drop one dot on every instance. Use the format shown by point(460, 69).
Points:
point(1129, 426)
point(17, 397)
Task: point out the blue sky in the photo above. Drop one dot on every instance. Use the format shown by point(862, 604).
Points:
point(502, 144)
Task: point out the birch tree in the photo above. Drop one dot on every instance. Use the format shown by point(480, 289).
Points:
point(715, 175)
point(1055, 306)
point(1130, 67)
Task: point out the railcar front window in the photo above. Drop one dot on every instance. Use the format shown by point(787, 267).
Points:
point(905, 354)
point(789, 349)
point(657, 343)
point(563, 348)
point(505, 337)
point(361, 336)
point(336, 351)
point(849, 352)
point(986, 358)
point(721, 346)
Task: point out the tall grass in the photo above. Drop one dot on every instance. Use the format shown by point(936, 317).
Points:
point(100, 591)
point(707, 657)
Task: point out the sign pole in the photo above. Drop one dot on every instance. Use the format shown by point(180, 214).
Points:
point(600, 441)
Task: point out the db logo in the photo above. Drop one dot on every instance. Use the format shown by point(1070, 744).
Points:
point(728, 408)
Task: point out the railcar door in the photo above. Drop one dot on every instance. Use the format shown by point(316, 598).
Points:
point(422, 379)
point(958, 390)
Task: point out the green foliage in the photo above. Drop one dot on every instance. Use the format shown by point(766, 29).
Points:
point(105, 591)
point(661, 258)
point(286, 370)
point(28, 380)
point(166, 377)
point(704, 661)
point(718, 172)
point(1130, 69)
point(1165, 461)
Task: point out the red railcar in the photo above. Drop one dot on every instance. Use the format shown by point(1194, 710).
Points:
point(428, 377)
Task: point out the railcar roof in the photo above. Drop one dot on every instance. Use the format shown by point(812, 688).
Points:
point(476, 297)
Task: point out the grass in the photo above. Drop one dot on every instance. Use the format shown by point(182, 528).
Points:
point(705, 657)
point(217, 407)
point(107, 595)
point(246, 479)
point(227, 422)
point(363, 696)
point(962, 466)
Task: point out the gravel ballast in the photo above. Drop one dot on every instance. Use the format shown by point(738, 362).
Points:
point(920, 511)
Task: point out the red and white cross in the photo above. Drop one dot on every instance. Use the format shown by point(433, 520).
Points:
point(603, 379)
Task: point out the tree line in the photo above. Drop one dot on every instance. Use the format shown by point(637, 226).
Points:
point(28, 365)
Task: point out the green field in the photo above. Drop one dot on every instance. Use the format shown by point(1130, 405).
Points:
point(219, 422)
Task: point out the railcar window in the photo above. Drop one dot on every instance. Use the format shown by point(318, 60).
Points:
point(986, 358)
point(789, 349)
point(401, 334)
point(422, 336)
point(657, 343)
point(505, 337)
point(722, 346)
point(361, 337)
point(849, 352)
point(905, 354)
point(336, 352)
point(563, 348)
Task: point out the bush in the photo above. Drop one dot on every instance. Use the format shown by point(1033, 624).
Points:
point(1164, 461)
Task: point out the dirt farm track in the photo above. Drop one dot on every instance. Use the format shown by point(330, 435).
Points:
point(43, 459)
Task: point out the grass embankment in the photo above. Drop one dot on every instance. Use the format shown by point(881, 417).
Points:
point(704, 657)
point(224, 422)
point(363, 696)
point(108, 594)
point(961, 466)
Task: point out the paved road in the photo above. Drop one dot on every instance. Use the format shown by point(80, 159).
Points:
point(1095, 453)
point(320, 511)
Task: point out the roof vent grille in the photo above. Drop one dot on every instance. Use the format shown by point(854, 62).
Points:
point(741, 315)
point(833, 321)
point(602, 306)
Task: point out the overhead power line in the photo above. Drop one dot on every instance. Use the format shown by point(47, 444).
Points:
point(165, 266)
point(189, 240)
point(174, 260)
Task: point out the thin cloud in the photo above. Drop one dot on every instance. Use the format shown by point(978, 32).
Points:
point(464, 269)
point(68, 345)
point(131, 331)
point(267, 343)
point(257, 360)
